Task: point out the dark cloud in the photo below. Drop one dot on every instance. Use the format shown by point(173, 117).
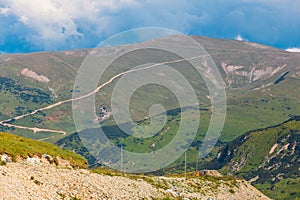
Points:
point(82, 24)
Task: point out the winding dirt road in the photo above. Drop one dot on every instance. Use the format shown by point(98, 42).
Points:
point(35, 129)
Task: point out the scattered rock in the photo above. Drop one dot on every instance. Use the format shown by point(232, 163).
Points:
point(5, 158)
point(171, 191)
point(31, 74)
point(48, 158)
point(210, 173)
point(4, 173)
point(44, 181)
point(253, 179)
point(33, 160)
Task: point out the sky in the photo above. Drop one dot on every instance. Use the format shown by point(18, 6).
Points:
point(52, 25)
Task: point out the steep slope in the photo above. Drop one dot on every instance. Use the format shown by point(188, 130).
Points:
point(269, 158)
point(250, 64)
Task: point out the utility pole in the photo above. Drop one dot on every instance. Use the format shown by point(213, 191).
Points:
point(121, 160)
point(185, 165)
point(197, 163)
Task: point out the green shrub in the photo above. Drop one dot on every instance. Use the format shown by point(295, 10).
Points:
point(231, 191)
point(55, 160)
point(75, 198)
point(2, 163)
point(37, 182)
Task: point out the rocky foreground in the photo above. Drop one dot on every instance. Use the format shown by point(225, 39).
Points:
point(23, 180)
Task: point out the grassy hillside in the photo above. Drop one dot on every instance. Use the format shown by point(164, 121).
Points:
point(17, 146)
point(249, 70)
point(269, 157)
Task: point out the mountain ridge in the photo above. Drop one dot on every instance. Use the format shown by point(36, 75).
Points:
point(244, 66)
point(266, 157)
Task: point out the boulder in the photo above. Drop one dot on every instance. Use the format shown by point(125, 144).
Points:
point(5, 158)
point(173, 192)
point(48, 157)
point(33, 160)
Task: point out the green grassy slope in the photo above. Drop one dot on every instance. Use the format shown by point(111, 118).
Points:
point(269, 156)
point(17, 146)
point(247, 108)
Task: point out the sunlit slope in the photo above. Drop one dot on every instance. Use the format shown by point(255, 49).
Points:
point(262, 85)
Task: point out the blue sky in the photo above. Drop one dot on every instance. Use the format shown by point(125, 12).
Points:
point(50, 25)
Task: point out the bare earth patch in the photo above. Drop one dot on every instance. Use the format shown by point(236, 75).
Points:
point(31, 74)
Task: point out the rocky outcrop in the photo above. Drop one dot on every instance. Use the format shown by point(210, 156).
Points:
point(249, 74)
point(268, 156)
point(31, 74)
point(214, 173)
point(5, 158)
point(33, 160)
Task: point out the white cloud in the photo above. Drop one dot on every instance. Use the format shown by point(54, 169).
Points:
point(67, 24)
point(24, 19)
point(52, 22)
point(46, 18)
point(239, 37)
point(4, 11)
point(295, 50)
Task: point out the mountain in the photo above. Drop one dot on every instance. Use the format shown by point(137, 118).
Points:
point(256, 78)
point(269, 158)
point(262, 89)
